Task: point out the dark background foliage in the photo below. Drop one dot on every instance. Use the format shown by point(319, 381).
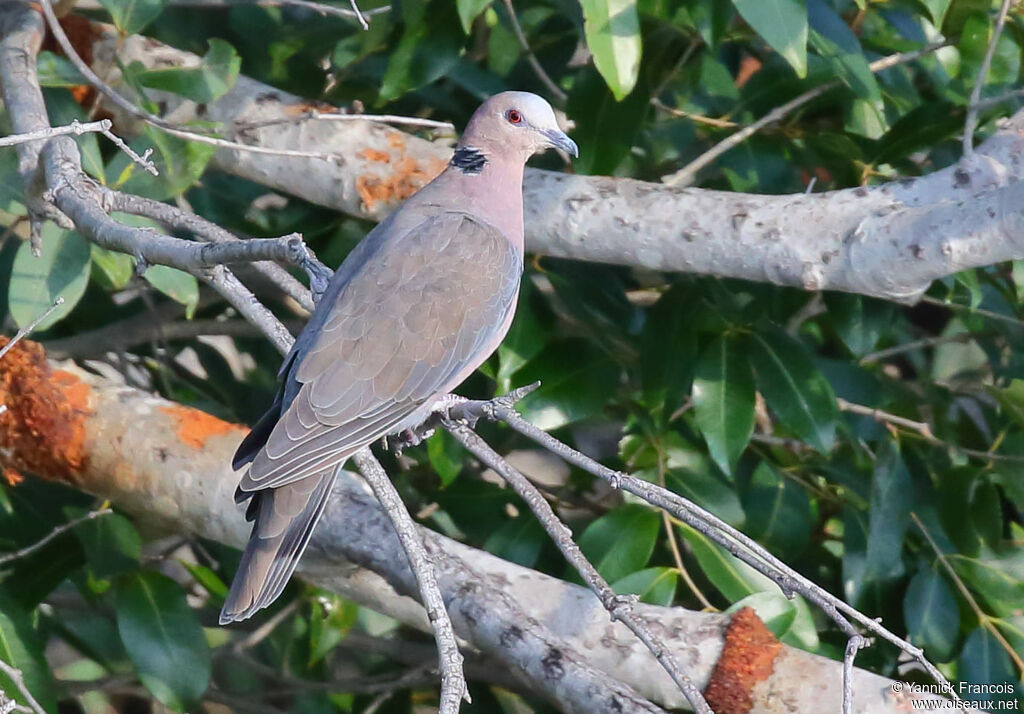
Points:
point(752, 400)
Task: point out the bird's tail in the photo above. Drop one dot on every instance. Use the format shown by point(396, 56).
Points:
point(283, 520)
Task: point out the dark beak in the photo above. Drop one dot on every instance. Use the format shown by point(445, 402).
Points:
point(560, 140)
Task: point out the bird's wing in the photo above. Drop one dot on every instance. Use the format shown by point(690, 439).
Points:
point(424, 310)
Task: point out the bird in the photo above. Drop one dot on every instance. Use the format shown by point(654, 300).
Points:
point(415, 308)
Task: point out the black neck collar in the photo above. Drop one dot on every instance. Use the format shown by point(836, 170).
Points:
point(469, 160)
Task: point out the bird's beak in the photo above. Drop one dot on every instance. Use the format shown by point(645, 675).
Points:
point(560, 140)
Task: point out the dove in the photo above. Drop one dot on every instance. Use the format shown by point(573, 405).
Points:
point(413, 310)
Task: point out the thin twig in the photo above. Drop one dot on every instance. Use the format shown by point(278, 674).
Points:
point(922, 343)
point(59, 530)
point(1007, 319)
point(994, 101)
point(687, 174)
point(971, 122)
point(924, 430)
point(696, 118)
point(319, 8)
point(152, 119)
point(241, 298)
point(620, 607)
point(314, 115)
point(453, 681)
point(983, 619)
point(734, 541)
point(77, 128)
point(535, 64)
point(264, 630)
point(674, 544)
point(14, 674)
point(27, 329)
point(181, 220)
point(853, 645)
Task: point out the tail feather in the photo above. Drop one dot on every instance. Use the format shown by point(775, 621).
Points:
point(284, 519)
point(257, 437)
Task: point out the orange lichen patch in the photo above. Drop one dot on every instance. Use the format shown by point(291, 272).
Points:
point(12, 477)
point(375, 155)
point(396, 140)
point(407, 177)
point(300, 108)
point(43, 430)
point(749, 66)
point(195, 427)
point(747, 658)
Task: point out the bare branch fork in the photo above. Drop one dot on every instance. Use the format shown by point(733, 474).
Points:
point(77, 128)
point(458, 415)
point(974, 104)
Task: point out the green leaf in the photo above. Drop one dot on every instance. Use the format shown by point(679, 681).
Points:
point(163, 638)
point(612, 30)
point(931, 613)
point(518, 540)
point(776, 611)
point(778, 511)
point(55, 71)
point(22, 647)
point(984, 661)
point(445, 456)
point(973, 44)
point(621, 542)
point(937, 9)
point(62, 270)
point(525, 339)
point(723, 400)
point(215, 75)
point(656, 586)
point(469, 10)
point(329, 624)
point(111, 545)
point(873, 547)
point(429, 49)
point(131, 16)
point(782, 24)
point(793, 387)
point(723, 570)
point(692, 475)
point(210, 581)
point(835, 42)
point(575, 379)
point(997, 578)
point(175, 284)
point(860, 321)
point(736, 580)
point(116, 267)
point(668, 350)
point(606, 128)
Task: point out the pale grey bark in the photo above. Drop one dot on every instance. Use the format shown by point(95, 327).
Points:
point(889, 241)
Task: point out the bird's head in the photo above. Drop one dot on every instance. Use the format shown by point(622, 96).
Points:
point(518, 122)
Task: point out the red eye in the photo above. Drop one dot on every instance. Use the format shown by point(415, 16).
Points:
point(514, 117)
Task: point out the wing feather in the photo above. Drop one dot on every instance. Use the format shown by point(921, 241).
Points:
point(419, 314)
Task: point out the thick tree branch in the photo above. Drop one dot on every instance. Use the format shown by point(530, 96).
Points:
point(890, 241)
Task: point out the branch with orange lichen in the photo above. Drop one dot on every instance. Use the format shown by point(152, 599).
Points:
point(167, 464)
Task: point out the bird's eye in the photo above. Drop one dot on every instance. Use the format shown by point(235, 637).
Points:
point(514, 117)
